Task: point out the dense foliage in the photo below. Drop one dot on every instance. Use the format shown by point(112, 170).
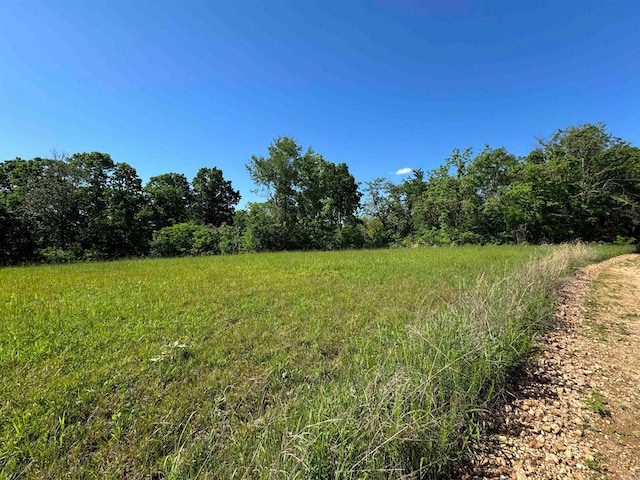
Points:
point(582, 183)
point(86, 206)
point(310, 201)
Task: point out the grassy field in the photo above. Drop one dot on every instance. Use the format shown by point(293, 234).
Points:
point(359, 364)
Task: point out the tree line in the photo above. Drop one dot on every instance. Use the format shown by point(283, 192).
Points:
point(581, 183)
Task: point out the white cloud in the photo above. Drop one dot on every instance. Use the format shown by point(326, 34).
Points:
point(404, 171)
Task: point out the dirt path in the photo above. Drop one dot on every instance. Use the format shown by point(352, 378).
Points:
point(576, 414)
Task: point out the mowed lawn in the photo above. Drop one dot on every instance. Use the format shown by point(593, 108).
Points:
point(206, 367)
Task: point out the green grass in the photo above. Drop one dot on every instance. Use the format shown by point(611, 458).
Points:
point(595, 463)
point(597, 403)
point(361, 364)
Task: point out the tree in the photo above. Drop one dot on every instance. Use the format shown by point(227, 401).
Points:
point(387, 203)
point(445, 210)
point(275, 176)
point(16, 244)
point(92, 173)
point(128, 230)
point(341, 194)
point(261, 232)
point(213, 198)
point(590, 180)
point(17, 239)
point(50, 204)
point(327, 201)
point(169, 198)
point(489, 177)
point(309, 199)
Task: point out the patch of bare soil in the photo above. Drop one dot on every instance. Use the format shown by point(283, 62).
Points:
point(576, 412)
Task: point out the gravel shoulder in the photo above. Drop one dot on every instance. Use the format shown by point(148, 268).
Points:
point(575, 414)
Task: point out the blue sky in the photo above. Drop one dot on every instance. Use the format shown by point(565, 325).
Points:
point(172, 86)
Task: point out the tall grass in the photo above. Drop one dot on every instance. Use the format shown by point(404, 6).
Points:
point(413, 413)
point(319, 365)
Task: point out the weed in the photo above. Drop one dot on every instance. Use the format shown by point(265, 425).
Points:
point(600, 331)
point(595, 463)
point(623, 329)
point(597, 403)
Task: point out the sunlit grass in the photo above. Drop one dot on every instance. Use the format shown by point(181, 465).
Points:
point(289, 365)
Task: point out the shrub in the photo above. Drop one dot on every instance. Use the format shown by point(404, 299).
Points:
point(59, 255)
point(184, 239)
point(229, 239)
point(350, 236)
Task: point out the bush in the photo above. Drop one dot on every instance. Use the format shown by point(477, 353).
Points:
point(620, 240)
point(376, 235)
point(229, 239)
point(59, 255)
point(350, 236)
point(184, 239)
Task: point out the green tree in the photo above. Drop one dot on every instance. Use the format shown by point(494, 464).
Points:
point(261, 232)
point(16, 244)
point(327, 201)
point(309, 199)
point(17, 230)
point(275, 176)
point(128, 233)
point(589, 179)
point(50, 204)
point(169, 200)
point(92, 173)
point(445, 210)
point(489, 177)
point(394, 207)
point(213, 198)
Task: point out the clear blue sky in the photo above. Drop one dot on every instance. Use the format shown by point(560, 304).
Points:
point(172, 86)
